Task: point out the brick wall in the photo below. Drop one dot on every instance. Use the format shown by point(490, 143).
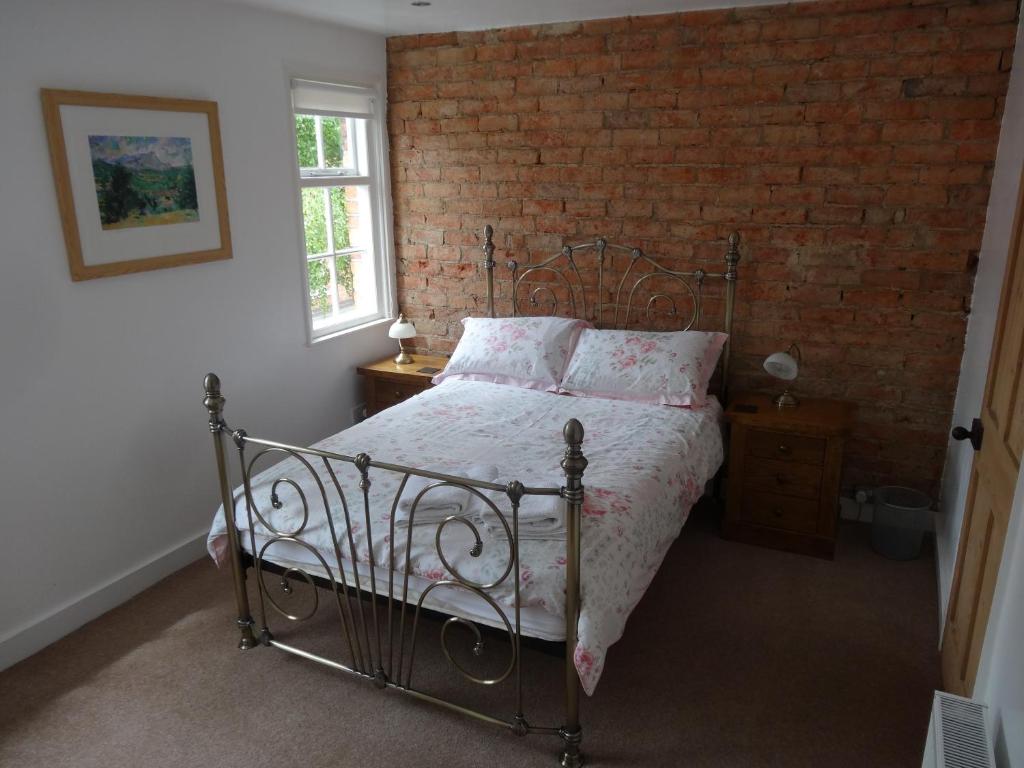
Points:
point(851, 143)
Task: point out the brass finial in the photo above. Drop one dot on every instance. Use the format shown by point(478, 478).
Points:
point(732, 256)
point(574, 462)
point(488, 247)
point(514, 489)
point(213, 400)
point(573, 432)
point(362, 462)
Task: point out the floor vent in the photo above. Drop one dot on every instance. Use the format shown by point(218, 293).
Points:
point(959, 734)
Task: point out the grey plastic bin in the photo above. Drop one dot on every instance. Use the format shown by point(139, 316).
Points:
point(901, 517)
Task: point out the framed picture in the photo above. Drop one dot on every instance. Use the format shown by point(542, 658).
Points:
point(140, 181)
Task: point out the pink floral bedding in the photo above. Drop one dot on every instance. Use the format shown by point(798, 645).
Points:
point(648, 464)
point(645, 367)
point(526, 352)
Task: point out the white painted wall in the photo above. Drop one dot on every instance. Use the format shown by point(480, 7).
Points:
point(105, 460)
point(1000, 681)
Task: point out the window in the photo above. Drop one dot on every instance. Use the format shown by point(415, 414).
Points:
point(336, 136)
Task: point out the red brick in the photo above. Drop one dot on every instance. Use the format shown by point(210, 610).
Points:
point(498, 123)
point(833, 113)
point(789, 29)
point(989, 13)
point(912, 131)
point(864, 45)
point(1002, 36)
point(967, 63)
point(966, 108)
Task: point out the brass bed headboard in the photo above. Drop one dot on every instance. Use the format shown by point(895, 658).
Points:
point(561, 282)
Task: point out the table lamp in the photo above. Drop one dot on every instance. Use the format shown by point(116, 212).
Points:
point(785, 367)
point(402, 329)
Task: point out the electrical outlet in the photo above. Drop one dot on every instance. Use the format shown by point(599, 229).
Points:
point(359, 413)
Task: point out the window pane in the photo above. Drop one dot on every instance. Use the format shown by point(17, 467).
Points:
point(314, 220)
point(360, 238)
point(342, 279)
point(305, 139)
point(335, 143)
point(320, 291)
point(339, 210)
point(359, 220)
point(327, 145)
point(346, 283)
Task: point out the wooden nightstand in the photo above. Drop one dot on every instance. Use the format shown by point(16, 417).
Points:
point(784, 467)
point(388, 384)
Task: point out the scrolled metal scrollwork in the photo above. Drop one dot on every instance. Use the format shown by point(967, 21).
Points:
point(275, 500)
point(553, 305)
point(669, 276)
point(284, 584)
point(357, 646)
point(478, 647)
point(639, 269)
point(477, 548)
point(514, 490)
point(653, 300)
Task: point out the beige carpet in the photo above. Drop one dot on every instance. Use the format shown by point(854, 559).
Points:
point(737, 656)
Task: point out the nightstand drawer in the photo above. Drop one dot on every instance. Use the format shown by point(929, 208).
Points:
point(388, 393)
point(786, 447)
point(786, 477)
point(777, 511)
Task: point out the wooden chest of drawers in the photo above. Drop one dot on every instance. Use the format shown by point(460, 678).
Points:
point(388, 384)
point(784, 470)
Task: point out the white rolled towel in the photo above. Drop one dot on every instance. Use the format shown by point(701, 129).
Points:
point(540, 517)
point(438, 503)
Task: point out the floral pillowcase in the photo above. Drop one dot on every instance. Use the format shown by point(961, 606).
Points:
point(529, 352)
point(665, 368)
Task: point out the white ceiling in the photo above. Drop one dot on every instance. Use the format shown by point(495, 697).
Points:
point(398, 17)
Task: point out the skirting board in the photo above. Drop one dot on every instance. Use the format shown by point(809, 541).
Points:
point(32, 637)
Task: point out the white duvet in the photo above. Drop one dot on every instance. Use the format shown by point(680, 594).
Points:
point(648, 464)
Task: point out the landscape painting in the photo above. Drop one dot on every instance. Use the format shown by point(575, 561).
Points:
point(139, 181)
point(143, 181)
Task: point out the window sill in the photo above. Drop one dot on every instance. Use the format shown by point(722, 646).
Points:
point(369, 324)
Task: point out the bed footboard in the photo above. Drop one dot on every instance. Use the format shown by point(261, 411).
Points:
point(379, 621)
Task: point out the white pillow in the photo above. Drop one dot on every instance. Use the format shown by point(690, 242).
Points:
point(529, 352)
point(665, 368)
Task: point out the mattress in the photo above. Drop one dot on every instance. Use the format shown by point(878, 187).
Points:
point(647, 465)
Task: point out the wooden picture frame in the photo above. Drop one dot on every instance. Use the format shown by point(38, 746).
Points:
point(140, 181)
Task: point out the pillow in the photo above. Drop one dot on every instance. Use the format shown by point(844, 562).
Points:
point(529, 352)
point(665, 368)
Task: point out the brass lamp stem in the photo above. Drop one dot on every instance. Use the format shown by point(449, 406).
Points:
point(403, 357)
point(787, 399)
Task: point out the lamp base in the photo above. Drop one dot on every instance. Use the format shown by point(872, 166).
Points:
point(785, 400)
point(403, 358)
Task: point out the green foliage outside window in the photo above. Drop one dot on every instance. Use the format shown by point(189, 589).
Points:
point(314, 216)
point(305, 136)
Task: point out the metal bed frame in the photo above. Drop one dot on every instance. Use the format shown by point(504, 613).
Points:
point(379, 626)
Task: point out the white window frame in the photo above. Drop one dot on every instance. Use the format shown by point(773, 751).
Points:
point(370, 154)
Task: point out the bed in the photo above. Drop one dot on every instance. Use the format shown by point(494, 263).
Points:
point(329, 514)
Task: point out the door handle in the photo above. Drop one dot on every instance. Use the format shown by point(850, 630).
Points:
point(975, 434)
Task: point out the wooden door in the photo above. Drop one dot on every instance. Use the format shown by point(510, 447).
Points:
point(992, 482)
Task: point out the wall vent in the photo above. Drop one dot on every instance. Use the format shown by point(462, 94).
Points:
point(958, 734)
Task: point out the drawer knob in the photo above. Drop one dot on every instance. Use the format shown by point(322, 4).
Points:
point(777, 511)
point(398, 393)
point(780, 479)
point(783, 448)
